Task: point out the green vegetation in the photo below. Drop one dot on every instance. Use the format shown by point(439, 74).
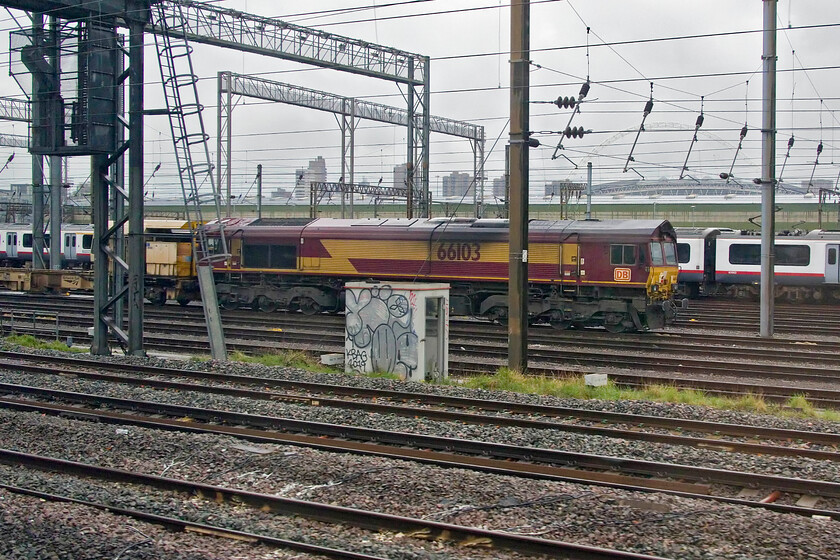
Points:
point(284, 358)
point(574, 387)
point(29, 341)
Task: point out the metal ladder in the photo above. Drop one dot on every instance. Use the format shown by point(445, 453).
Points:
point(192, 154)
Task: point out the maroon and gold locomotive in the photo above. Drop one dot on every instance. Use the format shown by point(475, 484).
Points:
point(618, 274)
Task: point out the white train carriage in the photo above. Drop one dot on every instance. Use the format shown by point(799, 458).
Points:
point(726, 262)
point(16, 243)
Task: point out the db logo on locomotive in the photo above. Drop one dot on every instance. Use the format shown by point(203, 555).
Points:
point(621, 274)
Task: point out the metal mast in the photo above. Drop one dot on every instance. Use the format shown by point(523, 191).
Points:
point(519, 122)
point(768, 170)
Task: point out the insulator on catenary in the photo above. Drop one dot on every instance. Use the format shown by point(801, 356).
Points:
point(790, 143)
point(584, 90)
point(743, 132)
point(699, 122)
point(819, 148)
point(573, 132)
point(565, 102)
point(648, 107)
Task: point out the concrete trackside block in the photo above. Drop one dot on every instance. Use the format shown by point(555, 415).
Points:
point(332, 359)
point(595, 379)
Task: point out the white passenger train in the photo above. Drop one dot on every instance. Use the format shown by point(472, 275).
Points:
point(726, 262)
point(16, 245)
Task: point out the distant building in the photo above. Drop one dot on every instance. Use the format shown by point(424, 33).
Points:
point(497, 188)
point(400, 175)
point(22, 190)
point(458, 185)
point(281, 193)
point(315, 173)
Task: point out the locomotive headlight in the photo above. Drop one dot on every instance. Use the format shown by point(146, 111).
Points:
point(654, 287)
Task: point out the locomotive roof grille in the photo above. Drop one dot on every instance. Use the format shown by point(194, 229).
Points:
point(281, 222)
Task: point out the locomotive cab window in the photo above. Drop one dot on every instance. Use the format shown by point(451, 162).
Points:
point(683, 252)
point(622, 254)
point(656, 254)
point(670, 252)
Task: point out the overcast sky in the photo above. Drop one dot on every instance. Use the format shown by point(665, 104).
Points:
point(470, 78)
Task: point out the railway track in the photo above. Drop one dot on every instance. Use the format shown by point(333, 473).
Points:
point(617, 472)
point(325, 513)
point(714, 364)
point(149, 376)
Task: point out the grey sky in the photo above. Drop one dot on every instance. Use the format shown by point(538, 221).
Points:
point(474, 88)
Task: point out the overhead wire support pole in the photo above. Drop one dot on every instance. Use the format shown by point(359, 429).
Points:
point(647, 111)
point(768, 170)
point(136, 247)
point(55, 160)
point(518, 205)
point(37, 162)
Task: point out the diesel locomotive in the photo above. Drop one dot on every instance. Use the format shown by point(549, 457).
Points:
point(618, 274)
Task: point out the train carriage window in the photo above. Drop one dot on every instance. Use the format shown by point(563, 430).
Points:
point(786, 255)
point(683, 252)
point(745, 254)
point(87, 241)
point(793, 255)
point(832, 256)
point(27, 240)
point(656, 254)
point(622, 254)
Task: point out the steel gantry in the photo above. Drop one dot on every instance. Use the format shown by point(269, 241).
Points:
point(318, 189)
point(349, 109)
point(203, 23)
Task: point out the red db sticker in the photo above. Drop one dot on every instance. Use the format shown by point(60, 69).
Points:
point(621, 274)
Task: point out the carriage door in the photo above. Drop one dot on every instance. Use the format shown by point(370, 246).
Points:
point(11, 245)
point(832, 264)
point(70, 246)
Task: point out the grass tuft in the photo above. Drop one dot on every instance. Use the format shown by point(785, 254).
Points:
point(29, 341)
point(284, 358)
point(575, 387)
